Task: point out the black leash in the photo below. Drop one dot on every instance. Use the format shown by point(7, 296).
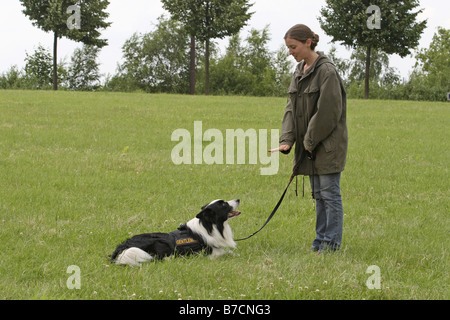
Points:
point(294, 174)
point(274, 210)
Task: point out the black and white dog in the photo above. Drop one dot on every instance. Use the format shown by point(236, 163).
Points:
point(208, 231)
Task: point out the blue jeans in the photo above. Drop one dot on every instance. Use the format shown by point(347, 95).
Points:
point(329, 211)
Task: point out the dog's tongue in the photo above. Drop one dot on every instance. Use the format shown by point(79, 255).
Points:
point(233, 214)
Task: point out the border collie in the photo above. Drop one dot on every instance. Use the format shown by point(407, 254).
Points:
point(209, 231)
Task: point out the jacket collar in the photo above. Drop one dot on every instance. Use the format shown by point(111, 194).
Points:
point(319, 61)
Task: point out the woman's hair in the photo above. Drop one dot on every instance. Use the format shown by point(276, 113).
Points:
point(301, 33)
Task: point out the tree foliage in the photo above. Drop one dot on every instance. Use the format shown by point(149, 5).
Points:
point(434, 61)
point(83, 73)
point(38, 68)
point(399, 32)
point(156, 61)
point(53, 16)
point(206, 20)
point(250, 68)
point(431, 77)
point(159, 62)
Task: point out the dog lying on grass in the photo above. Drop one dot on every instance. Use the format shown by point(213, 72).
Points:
point(209, 231)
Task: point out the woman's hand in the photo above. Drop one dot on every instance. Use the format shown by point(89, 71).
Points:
point(283, 147)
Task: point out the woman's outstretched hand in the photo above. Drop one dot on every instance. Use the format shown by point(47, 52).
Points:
point(283, 147)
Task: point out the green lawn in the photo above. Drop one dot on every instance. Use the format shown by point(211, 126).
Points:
point(80, 172)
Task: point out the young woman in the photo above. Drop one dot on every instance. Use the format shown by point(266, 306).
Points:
point(315, 121)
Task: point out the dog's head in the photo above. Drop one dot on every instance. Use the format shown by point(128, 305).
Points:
point(217, 213)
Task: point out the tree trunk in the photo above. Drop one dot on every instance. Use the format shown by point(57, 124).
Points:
point(55, 61)
point(192, 67)
point(207, 67)
point(367, 75)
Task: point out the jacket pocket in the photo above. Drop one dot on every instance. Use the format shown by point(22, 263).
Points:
point(312, 89)
point(310, 98)
point(329, 143)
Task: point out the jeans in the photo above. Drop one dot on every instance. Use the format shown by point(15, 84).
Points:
point(329, 211)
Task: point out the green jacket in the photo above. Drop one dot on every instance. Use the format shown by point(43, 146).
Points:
point(315, 117)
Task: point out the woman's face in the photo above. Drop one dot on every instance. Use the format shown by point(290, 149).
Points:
point(297, 49)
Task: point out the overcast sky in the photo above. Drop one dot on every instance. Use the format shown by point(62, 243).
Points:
point(20, 36)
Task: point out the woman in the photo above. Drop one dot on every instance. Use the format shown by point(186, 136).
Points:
point(315, 121)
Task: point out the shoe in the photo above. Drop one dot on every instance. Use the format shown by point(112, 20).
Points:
point(316, 244)
point(326, 246)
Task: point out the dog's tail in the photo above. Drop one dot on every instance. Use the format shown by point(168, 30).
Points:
point(131, 256)
point(121, 247)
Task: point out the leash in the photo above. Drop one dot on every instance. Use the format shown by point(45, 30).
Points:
point(274, 210)
point(294, 174)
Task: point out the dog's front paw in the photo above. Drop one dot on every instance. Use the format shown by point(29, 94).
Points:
point(216, 252)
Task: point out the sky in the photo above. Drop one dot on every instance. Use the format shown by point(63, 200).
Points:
point(19, 36)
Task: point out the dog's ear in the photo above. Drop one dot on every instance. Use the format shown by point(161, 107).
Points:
point(204, 213)
point(206, 217)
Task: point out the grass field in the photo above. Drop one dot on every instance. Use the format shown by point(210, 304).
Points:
point(80, 172)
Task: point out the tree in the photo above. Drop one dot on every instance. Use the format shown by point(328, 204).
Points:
point(251, 68)
point(258, 62)
point(38, 68)
point(390, 28)
point(206, 20)
point(435, 60)
point(11, 79)
point(84, 72)
point(431, 76)
point(156, 61)
point(227, 72)
point(343, 65)
point(78, 22)
point(378, 61)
